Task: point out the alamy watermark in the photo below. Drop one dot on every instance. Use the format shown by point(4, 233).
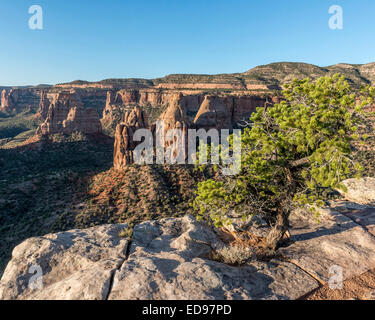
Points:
point(36, 281)
point(36, 20)
point(179, 146)
point(336, 21)
point(336, 278)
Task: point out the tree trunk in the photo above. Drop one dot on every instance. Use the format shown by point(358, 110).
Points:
point(278, 230)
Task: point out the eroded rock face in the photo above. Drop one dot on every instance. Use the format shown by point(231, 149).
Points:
point(9, 100)
point(183, 112)
point(167, 260)
point(43, 105)
point(124, 137)
point(136, 118)
point(66, 115)
point(175, 123)
point(215, 113)
point(19, 99)
point(84, 120)
point(219, 111)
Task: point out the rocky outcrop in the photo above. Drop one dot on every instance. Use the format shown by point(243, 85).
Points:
point(9, 100)
point(124, 140)
point(166, 260)
point(175, 124)
point(183, 112)
point(170, 259)
point(221, 111)
point(334, 241)
point(175, 113)
point(19, 99)
point(85, 120)
point(66, 115)
point(360, 190)
point(215, 112)
point(65, 260)
point(43, 105)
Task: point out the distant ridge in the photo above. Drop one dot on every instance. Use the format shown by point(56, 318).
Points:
point(270, 76)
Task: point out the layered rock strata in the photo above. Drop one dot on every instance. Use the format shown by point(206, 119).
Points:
point(66, 115)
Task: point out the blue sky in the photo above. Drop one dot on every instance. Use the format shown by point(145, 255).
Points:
point(95, 40)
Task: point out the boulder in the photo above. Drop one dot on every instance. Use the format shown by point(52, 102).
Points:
point(360, 190)
point(76, 264)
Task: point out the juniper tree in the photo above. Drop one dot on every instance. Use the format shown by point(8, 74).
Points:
point(290, 153)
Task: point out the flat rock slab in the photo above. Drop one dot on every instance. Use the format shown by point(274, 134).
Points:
point(76, 264)
point(363, 216)
point(335, 241)
point(166, 260)
point(169, 263)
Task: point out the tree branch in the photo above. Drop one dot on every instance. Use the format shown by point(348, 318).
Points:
point(300, 162)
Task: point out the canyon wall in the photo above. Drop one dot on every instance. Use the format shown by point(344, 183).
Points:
point(215, 110)
point(66, 114)
point(181, 111)
point(124, 142)
point(19, 99)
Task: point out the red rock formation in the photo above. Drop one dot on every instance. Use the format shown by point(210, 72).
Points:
point(124, 143)
point(109, 108)
point(66, 115)
point(19, 99)
point(231, 108)
point(4, 100)
point(84, 120)
point(215, 112)
point(9, 100)
point(220, 112)
point(175, 117)
point(136, 118)
point(176, 112)
point(43, 105)
point(244, 106)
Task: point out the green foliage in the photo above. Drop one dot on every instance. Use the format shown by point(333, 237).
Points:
point(291, 152)
point(126, 233)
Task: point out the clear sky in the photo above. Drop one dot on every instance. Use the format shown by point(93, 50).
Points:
point(95, 40)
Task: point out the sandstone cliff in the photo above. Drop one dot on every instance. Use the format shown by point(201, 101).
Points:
point(215, 112)
point(175, 124)
point(66, 114)
point(17, 99)
point(9, 100)
point(183, 111)
point(124, 140)
point(43, 105)
point(227, 109)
